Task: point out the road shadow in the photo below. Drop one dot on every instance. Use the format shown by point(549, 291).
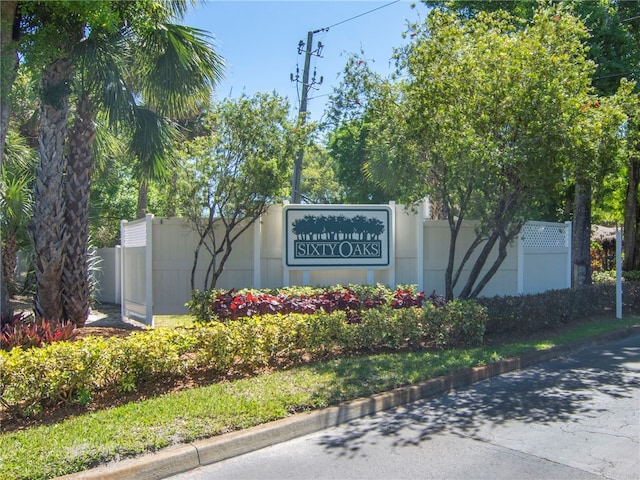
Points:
point(551, 392)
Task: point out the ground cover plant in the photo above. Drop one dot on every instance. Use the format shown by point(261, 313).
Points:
point(58, 392)
point(221, 305)
point(34, 380)
point(80, 442)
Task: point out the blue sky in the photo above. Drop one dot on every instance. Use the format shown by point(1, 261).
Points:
point(259, 41)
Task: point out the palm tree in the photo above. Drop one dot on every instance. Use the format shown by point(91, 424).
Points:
point(170, 67)
point(49, 33)
point(113, 56)
point(48, 233)
point(9, 64)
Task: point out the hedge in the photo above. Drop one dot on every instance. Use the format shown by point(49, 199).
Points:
point(33, 378)
point(556, 308)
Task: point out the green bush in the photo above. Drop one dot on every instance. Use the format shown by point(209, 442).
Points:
point(555, 308)
point(325, 332)
point(631, 276)
point(630, 297)
point(33, 379)
point(603, 276)
point(73, 372)
point(610, 276)
point(378, 328)
point(37, 377)
point(458, 323)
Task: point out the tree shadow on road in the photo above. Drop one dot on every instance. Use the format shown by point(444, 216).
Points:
point(555, 391)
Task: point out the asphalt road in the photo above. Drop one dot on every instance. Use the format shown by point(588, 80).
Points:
point(571, 418)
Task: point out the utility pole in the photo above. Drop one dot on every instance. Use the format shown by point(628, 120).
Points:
point(297, 167)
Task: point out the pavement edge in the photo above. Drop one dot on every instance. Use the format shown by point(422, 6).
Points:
point(182, 458)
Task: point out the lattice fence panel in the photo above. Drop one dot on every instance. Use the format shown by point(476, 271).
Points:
point(543, 236)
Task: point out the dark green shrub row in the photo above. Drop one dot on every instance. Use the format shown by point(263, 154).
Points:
point(75, 371)
point(552, 309)
point(631, 276)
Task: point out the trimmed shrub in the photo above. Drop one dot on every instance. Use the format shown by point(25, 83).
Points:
point(457, 323)
point(73, 371)
point(556, 308)
point(631, 276)
point(35, 378)
point(377, 329)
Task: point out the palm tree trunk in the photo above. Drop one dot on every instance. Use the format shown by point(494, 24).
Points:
point(76, 285)
point(9, 62)
point(143, 194)
point(48, 232)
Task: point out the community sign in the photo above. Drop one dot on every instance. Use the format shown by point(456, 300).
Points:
point(337, 236)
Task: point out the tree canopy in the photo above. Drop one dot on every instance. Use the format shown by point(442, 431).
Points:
point(230, 177)
point(487, 121)
point(606, 186)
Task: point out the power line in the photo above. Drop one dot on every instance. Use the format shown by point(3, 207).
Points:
point(357, 16)
point(632, 72)
point(630, 18)
point(307, 85)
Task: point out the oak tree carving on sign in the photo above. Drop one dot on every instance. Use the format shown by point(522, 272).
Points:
point(337, 227)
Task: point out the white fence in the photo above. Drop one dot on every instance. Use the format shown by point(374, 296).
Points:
point(136, 269)
point(156, 258)
point(107, 275)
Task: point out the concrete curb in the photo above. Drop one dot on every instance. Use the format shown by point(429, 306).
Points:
point(182, 458)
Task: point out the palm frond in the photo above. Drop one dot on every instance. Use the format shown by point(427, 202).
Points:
point(108, 144)
point(183, 69)
point(19, 158)
point(16, 201)
point(152, 143)
point(103, 59)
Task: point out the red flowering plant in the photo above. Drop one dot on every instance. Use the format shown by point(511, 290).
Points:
point(405, 299)
point(22, 330)
point(232, 305)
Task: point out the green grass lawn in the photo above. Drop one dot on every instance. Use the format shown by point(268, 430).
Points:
point(173, 320)
point(82, 442)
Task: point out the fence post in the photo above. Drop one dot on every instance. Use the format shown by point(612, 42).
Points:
point(149, 269)
point(118, 275)
point(392, 254)
point(618, 273)
point(520, 263)
point(257, 253)
point(123, 249)
point(569, 250)
point(422, 208)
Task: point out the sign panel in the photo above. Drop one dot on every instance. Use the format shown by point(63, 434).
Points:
point(337, 236)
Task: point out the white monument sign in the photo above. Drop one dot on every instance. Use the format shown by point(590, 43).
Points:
point(338, 236)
